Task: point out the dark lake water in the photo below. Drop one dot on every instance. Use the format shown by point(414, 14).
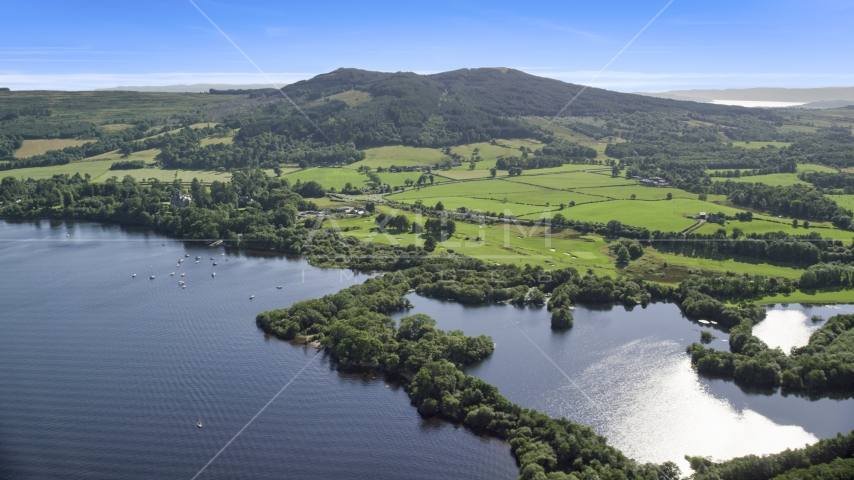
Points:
point(627, 374)
point(104, 376)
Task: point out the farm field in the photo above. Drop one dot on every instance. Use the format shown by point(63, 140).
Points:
point(399, 155)
point(560, 130)
point(572, 180)
point(38, 147)
point(811, 297)
point(812, 167)
point(217, 140)
point(644, 193)
point(664, 216)
point(350, 97)
point(99, 169)
point(752, 145)
point(844, 201)
point(115, 127)
point(762, 224)
point(507, 243)
point(781, 179)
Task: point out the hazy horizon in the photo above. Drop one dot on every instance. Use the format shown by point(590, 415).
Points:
point(685, 45)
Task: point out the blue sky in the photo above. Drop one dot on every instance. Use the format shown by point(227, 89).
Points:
point(723, 44)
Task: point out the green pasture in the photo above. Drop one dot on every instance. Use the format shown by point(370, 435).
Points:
point(666, 215)
point(399, 155)
point(813, 297)
point(762, 224)
point(115, 127)
point(844, 201)
point(781, 179)
point(753, 145)
point(572, 180)
point(507, 243)
point(797, 128)
point(98, 168)
point(643, 193)
point(812, 167)
point(350, 97)
point(37, 147)
point(503, 148)
point(560, 131)
point(217, 140)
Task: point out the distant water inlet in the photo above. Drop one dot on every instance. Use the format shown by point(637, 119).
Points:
point(785, 329)
point(627, 376)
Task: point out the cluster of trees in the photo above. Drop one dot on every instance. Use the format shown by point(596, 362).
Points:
point(9, 143)
point(354, 328)
point(542, 161)
point(774, 246)
point(830, 459)
point(829, 180)
point(127, 165)
point(825, 364)
point(796, 201)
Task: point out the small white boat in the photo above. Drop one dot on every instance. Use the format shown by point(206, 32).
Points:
point(213, 274)
point(134, 275)
point(279, 287)
point(214, 264)
point(183, 286)
point(181, 261)
point(67, 235)
point(199, 423)
point(152, 277)
point(704, 322)
point(183, 274)
point(199, 257)
point(172, 274)
point(211, 258)
point(222, 254)
point(197, 261)
point(186, 254)
point(180, 282)
point(251, 297)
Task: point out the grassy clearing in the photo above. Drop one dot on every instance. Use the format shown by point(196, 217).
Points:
point(781, 179)
point(110, 108)
point(115, 127)
point(401, 156)
point(38, 147)
point(797, 128)
point(560, 131)
point(503, 148)
point(328, 177)
point(815, 297)
point(665, 215)
point(98, 169)
point(572, 180)
point(644, 193)
point(812, 167)
point(214, 140)
point(509, 244)
point(844, 201)
point(763, 224)
point(754, 145)
point(350, 97)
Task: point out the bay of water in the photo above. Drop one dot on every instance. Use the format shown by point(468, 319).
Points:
point(626, 374)
point(104, 376)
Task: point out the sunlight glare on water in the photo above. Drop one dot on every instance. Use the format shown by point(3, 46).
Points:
point(651, 405)
point(785, 329)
